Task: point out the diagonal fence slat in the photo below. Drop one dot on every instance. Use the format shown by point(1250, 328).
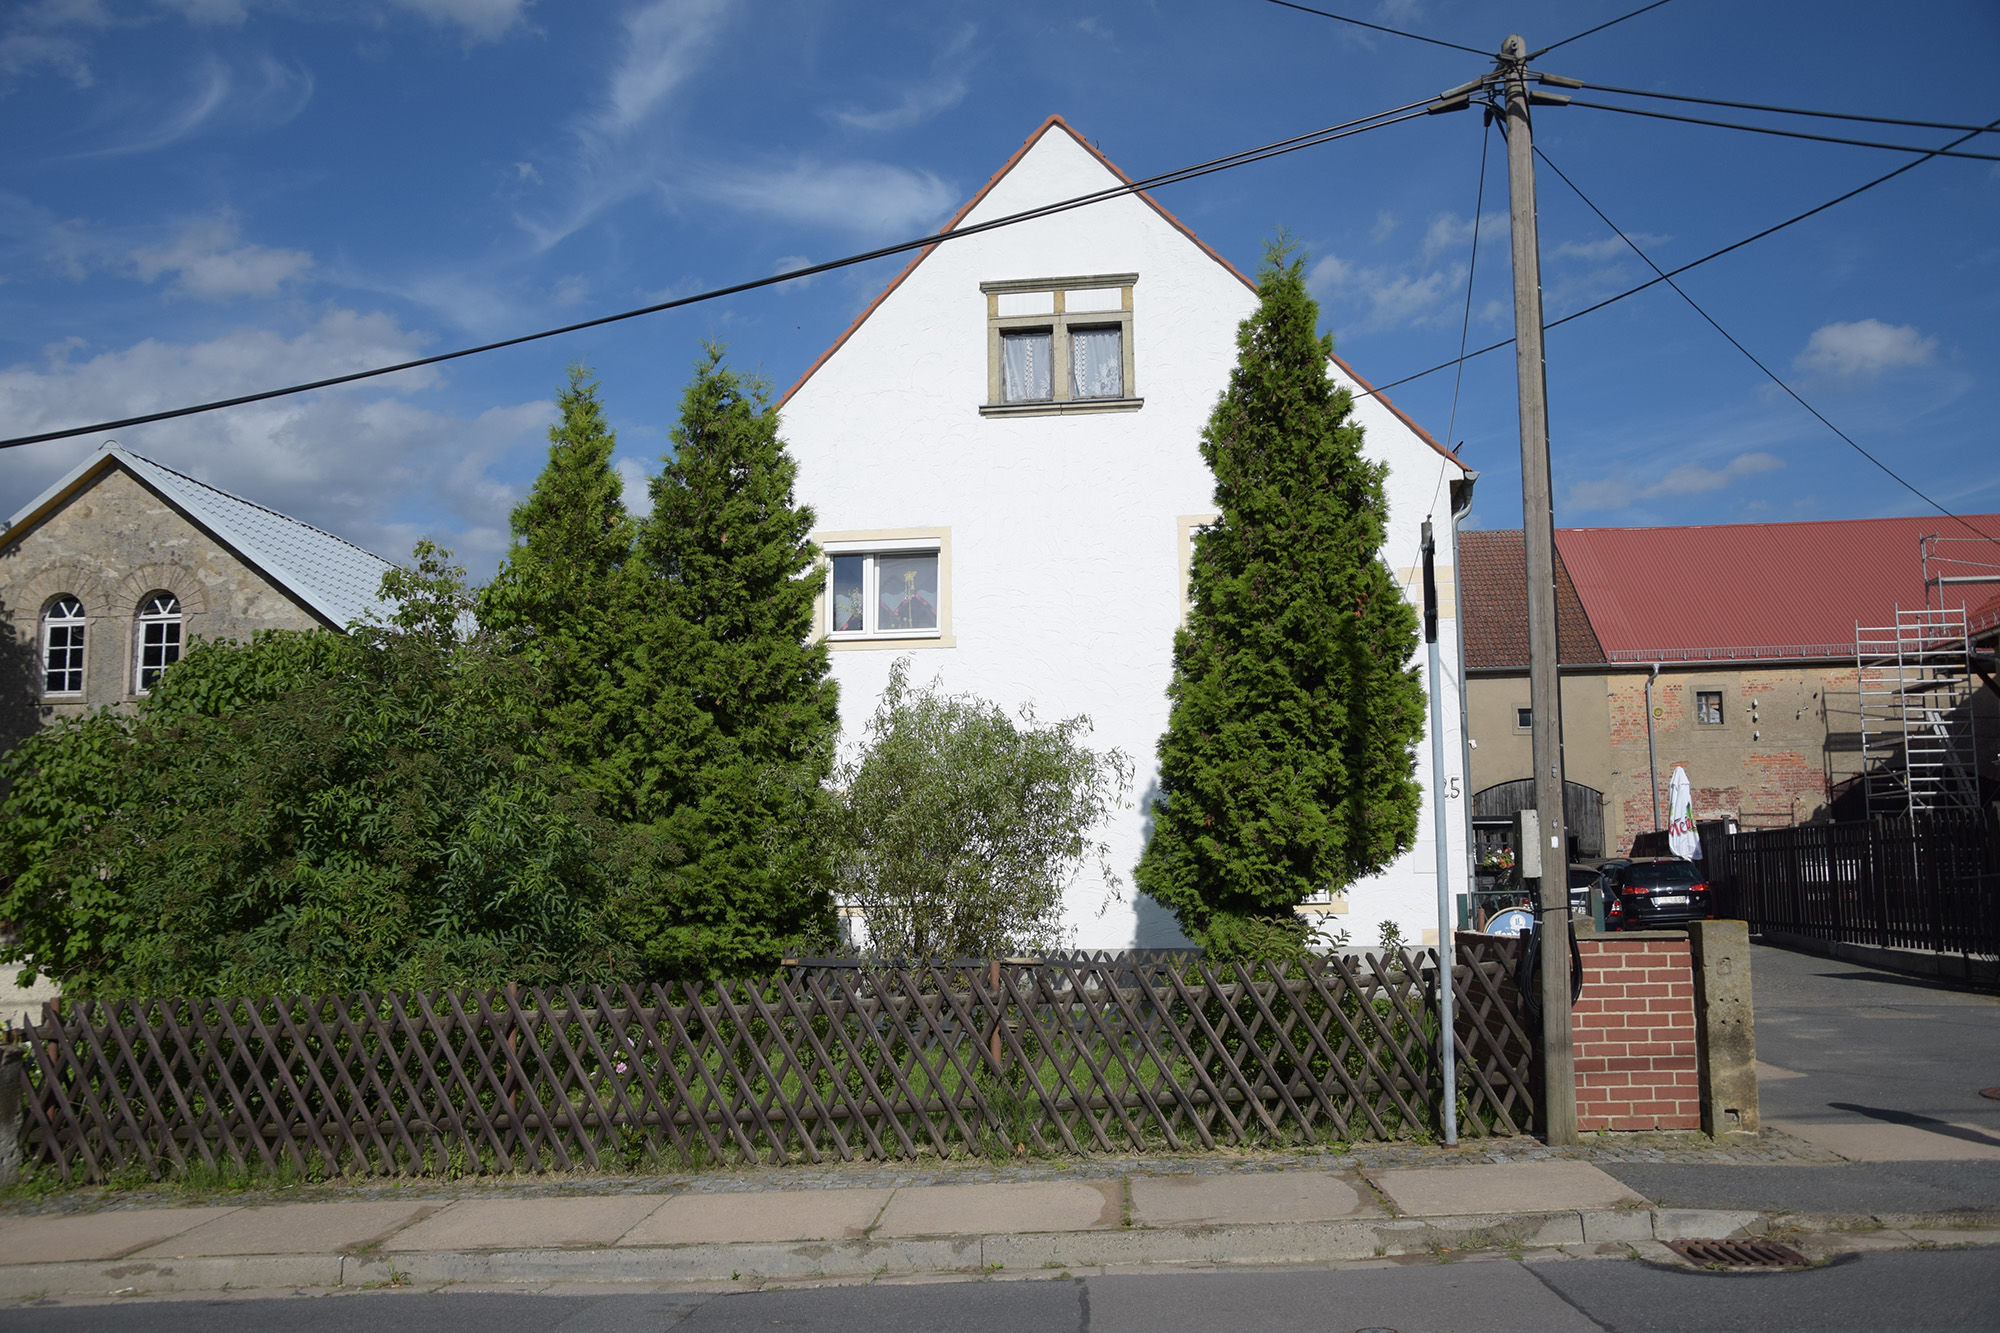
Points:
point(1074, 1054)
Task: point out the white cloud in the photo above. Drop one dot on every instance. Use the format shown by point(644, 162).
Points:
point(484, 20)
point(1364, 296)
point(665, 42)
point(265, 94)
point(1384, 228)
point(572, 290)
point(34, 38)
point(637, 482)
point(792, 263)
point(1610, 247)
point(207, 260)
point(1450, 232)
point(1866, 347)
point(870, 198)
point(1623, 489)
point(945, 89)
point(365, 462)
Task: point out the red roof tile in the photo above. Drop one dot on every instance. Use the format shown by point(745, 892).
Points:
point(1762, 590)
point(1492, 595)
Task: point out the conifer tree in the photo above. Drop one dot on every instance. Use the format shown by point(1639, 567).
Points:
point(740, 713)
point(562, 599)
point(1287, 766)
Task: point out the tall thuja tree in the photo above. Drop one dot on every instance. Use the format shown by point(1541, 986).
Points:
point(563, 600)
point(740, 711)
point(1287, 766)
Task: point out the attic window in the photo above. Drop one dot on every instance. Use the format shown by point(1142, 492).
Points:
point(159, 638)
point(1059, 345)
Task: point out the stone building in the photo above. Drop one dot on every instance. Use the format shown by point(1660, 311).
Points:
point(1727, 650)
point(110, 573)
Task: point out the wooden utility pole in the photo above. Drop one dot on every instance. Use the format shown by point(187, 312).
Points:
point(1539, 538)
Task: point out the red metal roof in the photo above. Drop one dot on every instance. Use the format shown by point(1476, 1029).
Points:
point(1493, 589)
point(1756, 590)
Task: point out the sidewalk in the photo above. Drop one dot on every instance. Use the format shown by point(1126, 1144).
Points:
point(744, 1230)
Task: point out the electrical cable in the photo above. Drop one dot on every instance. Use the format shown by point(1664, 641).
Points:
point(1599, 28)
point(1785, 110)
point(1785, 134)
point(1863, 188)
point(1379, 120)
point(1393, 32)
point(1464, 333)
point(1895, 476)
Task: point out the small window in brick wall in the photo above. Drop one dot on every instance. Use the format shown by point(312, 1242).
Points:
point(1708, 707)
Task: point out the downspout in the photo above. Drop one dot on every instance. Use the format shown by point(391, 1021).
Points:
point(1652, 755)
point(1462, 491)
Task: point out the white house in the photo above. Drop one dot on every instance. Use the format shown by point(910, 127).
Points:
point(1003, 451)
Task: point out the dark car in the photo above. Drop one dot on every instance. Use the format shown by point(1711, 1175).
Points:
point(1654, 891)
point(1581, 877)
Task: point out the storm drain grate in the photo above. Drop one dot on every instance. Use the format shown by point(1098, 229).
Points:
point(1739, 1253)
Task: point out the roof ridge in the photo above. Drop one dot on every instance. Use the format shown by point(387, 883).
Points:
point(231, 495)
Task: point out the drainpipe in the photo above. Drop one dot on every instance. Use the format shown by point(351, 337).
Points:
point(1463, 493)
point(1652, 755)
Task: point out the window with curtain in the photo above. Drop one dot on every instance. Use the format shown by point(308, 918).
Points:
point(159, 637)
point(1024, 366)
point(884, 594)
point(1097, 363)
point(62, 646)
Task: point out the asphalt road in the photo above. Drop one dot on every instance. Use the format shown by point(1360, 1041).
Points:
point(1940, 1291)
point(1881, 1068)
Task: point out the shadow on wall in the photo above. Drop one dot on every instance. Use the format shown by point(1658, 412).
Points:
point(20, 701)
point(1153, 926)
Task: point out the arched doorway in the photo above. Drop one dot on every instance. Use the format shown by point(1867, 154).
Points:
point(1493, 812)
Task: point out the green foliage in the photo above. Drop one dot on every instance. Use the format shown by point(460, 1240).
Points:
point(307, 812)
point(1287, 763)
point(957, 829)
point(564, 600)
point(739, 716)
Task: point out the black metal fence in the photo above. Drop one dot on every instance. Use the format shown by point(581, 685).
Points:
point(1930, 884)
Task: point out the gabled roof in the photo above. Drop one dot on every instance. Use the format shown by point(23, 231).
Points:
point(1493, 605)
point(335, 578)
point(1755, 591)
point(1053, 123)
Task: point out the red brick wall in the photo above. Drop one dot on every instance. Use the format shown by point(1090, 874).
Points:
point(1633, 1027)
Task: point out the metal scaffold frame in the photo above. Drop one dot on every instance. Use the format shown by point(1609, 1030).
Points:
point(1918, 733)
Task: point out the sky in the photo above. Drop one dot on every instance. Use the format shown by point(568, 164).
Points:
point(203, 198)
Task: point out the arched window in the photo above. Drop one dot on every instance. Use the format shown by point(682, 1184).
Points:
point(159, 636)
point(62, 646)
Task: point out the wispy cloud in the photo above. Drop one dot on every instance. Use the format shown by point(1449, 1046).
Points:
point(482, 20)
point(1624, 489)
point(944, 89)
point(1364, 296)
point(868, 198)
point(209, 260)
point(665, 42)
point(44, 34)
point(1610, 247)
point(265, 94)
point(1864, 348)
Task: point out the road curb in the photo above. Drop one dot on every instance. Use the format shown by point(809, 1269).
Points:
point(751, 1262)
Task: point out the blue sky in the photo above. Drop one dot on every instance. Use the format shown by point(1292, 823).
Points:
point(207, 197)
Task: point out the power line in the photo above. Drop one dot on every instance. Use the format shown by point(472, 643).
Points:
point(1900, 480)
point(1863, 188)
point(1393, 32)
point(1361, 125)
point(1785, 134)
point(1784, 110)
point(1599, 28)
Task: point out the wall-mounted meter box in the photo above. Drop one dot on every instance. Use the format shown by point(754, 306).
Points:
point(1528, 844)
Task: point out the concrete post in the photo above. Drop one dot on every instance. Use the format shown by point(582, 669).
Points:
point(1725, 1026)
point(10, 1112)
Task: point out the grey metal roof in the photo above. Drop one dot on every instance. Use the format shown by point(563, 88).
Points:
point(336, 578)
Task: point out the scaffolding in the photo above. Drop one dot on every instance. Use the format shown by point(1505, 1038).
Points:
point(1918, 735)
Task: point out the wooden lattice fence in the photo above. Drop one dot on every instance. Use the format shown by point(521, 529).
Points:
point(815, 1063)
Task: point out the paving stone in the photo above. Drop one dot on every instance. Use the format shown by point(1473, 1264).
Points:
point(985, 1210)
point(509, 1224)
point(1511, 1187)
point(1300, 1196)
point(40, 1240)
point(787, 1215)
point(298, 1228)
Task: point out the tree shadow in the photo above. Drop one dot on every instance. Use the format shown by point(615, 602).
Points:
point(20, 699)
point(1928, 1124)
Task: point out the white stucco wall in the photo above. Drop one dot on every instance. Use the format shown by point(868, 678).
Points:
point(1065, 586)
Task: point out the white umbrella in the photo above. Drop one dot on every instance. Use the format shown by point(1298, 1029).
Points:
point(1681, 836)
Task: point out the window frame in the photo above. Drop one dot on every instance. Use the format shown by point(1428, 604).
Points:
point(144, 620)
point(1061, 324)
point(875, 544)
point(1700, 699)
point(80, 623)
point(1524, 718)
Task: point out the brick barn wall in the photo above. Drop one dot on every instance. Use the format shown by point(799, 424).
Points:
point(1637, 1066)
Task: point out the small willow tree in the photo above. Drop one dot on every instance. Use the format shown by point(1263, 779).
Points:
point(958, 829)
point(1287, 767)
